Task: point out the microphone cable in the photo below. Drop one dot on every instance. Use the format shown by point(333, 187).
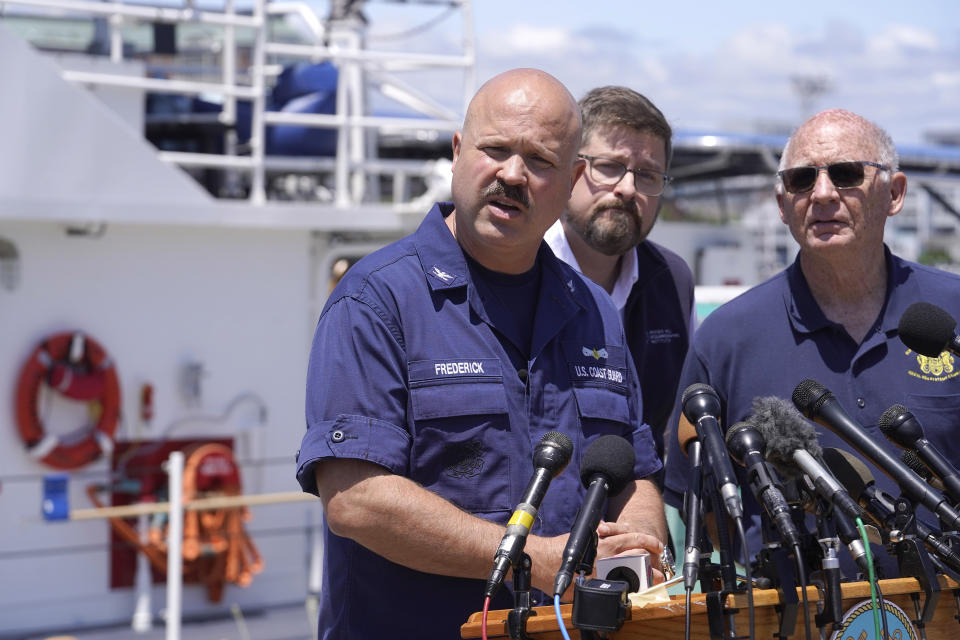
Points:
point(878, 614)
point(483, 620)
point(749, 575)
point(802, 575)
point(556, 610)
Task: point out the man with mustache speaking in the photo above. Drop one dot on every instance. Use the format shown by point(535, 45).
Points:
point(438, 364)
point(602, 233)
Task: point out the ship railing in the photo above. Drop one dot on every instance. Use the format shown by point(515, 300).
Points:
point(175, 509)
point(341, 43)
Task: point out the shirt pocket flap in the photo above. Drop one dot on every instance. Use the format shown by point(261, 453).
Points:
point(602, 403)
point(465, 387)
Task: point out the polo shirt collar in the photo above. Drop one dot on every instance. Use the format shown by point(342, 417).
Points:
point(806, 316)
point(804, 312)
point(899, 296)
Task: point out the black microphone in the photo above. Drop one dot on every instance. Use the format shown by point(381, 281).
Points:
point(904, 430)
point(550, 457)
point(817, 403)
point(879, 505)
point(928, 330)
point(701, 406)
point(916, 465)
point(747, 447)
point(792, 443)
point(606, 468)
point(692, 515)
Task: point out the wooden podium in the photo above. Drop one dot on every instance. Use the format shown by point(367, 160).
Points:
point(665, 621)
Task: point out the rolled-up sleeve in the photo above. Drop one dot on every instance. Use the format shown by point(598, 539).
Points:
point(356, 402)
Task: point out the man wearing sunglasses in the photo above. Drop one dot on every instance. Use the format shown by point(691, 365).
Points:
point(833, 314)
point(602, 233)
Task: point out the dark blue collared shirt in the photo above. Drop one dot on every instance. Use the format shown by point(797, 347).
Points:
point(772, 337)
point(407, 371)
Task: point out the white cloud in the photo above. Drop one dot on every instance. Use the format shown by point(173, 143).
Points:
point(901, 76)
point(524, 38)
point(763, 44)
point(946, 79)
point(912, 37)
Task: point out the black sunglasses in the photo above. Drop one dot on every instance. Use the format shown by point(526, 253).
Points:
point(843, 175)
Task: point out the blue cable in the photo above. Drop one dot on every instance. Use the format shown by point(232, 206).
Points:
point(556, 609)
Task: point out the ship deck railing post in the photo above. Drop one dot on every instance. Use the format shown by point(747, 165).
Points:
point(174, 544)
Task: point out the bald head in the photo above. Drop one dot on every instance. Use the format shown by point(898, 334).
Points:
point(837, 123)
point(527, 91)
point(514, 166)
point(838, 217)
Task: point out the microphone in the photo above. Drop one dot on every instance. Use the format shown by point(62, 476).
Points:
point(916, 465)
point(691, 512)
point(928, 330)
point(701, 406)
point(686, 434)
point(691, 447)
point(904, 430)
point(860, 482)
point(550, 457)
point(747, 447)
point(791, 443)
point(817, 403)
point(606, 468)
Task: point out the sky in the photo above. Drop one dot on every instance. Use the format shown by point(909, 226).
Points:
point(712, 66)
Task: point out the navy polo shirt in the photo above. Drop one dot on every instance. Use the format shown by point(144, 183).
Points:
point(772, 337)
point(407, 371)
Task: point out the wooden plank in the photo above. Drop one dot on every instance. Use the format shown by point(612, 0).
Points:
point(666, 621)
point(219, 502)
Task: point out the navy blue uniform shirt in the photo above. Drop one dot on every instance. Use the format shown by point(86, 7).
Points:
point(407, 372)
point(772, 337)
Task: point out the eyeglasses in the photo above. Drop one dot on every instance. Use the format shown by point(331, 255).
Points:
point(610, 172)
point(843, 175)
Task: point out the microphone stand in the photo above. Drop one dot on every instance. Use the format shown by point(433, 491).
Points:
point(914, 560)
point(517, 617)
point(585, 567)
point(727, 569)
point(774, 562)
point(828, 578)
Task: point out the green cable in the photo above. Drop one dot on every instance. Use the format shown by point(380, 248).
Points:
point(873, 580)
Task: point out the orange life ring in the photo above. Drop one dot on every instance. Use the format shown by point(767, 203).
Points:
point(76, 366)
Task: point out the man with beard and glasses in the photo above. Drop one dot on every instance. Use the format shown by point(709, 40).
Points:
point(439, 363)
point(602, 233)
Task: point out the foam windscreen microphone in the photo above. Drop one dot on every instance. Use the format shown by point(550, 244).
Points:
point(928, 330)
point(792, 445)
point(606, 468)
